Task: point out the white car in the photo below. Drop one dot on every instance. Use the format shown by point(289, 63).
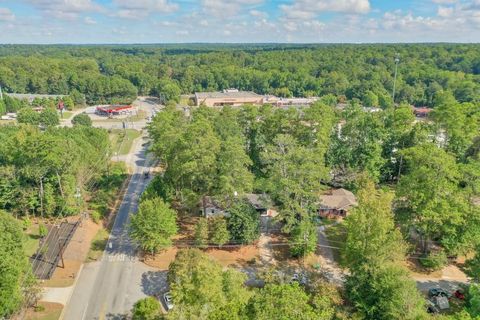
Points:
point(167, 297)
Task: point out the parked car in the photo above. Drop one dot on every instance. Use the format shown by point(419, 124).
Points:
point(435, 292)
point(167, 298)
point(459, 294)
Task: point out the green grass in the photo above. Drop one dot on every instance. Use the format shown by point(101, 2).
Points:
point(336, 235)
point(32, 240)
point(67, 115)
point(122, 140)
point(98, 245)
point(7, 122)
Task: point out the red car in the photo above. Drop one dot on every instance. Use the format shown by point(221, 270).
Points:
point(459, 295)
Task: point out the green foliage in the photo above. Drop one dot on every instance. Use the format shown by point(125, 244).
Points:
point(243, 222)
point(42, 230)
point(377, 285)
point(147, 309)
point(201, 233)
point(15, 272)
point(282, 302)
point(218, 231)
point(303, 239)
point(435, 260)
point(473, 266)
point(28, 115)
point(430, 198)
point(59, 159)
point(154, 225)
point(473, 297)
point(49, 117)
point(201, 289)
point(82, 119)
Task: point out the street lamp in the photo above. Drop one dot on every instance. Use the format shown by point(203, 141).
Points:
point(397, 60)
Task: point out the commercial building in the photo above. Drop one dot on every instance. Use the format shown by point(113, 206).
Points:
point(111, 110)
point(229, 97)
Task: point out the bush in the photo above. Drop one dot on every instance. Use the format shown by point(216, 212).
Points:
point(42, 230)
point(39, 308)
point(82, 119)
point(146, 309)
point(96, 216)
point(434, 261)
point(26, 223)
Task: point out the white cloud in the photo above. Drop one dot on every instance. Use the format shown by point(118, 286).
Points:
point(6, 15)
point(89, 20)
point(258, 14)
point(65, 9)
point(445, 12)
point(308, 9)
point(142, 8)
point(227, 8)
point(444, 1)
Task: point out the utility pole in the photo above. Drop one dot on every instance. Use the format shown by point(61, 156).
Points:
point(397, 60)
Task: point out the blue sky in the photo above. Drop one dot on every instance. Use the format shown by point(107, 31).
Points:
point(175, 21)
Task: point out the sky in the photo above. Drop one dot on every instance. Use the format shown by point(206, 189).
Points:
point(238, 21)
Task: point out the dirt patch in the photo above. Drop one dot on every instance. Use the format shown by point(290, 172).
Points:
point(227, 257)
point(161, 260)
point(74, 255)
point(235, 257)
point(45, 311)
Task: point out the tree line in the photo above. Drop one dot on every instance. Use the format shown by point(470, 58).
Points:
point(116, 74)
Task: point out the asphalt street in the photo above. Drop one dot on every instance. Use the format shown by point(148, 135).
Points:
point(107, 289)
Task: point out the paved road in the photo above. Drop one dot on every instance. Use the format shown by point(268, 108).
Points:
point(111, 286)
point(108, 289)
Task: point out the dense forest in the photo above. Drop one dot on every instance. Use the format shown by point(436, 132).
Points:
point(365, 72)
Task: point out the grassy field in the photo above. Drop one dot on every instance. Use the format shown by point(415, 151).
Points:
point(122, 140)
point(98, 245)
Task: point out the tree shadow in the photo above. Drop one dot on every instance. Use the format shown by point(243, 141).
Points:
point(116, 316)
point(154, 283)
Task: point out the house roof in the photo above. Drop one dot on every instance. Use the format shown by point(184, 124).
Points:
point(339, 199)
point(259, 201)
point(227, 94)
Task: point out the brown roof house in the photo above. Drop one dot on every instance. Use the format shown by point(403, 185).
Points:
point(262, 203)
point(336, 203)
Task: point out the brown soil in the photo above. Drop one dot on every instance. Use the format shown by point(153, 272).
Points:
point(52, 312)
point(74, 255)
point(236, 257)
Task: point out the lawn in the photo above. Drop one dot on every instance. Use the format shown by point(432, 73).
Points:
point(66, 115)
point(45, 311)
point(98, 245)
point(337, 236)
point(7, 122)
point(122, 140)
point(32, 240)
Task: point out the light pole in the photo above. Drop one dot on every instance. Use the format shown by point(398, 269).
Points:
point(397, 60)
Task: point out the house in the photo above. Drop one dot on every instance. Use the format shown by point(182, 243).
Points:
point(262, 203)
point(213, 208)
point(421, 112)
point(336, 203)
point(228, 97)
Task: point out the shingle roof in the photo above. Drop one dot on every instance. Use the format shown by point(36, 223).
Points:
point(339, 199)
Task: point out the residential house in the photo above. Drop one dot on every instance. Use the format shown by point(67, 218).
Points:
point(336, 203)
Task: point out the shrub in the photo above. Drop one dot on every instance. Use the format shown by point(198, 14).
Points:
point(26, 223)
point(96, 216)
point(434, 261)
point(42, 230)
point(82, 119)
point(146, 309)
